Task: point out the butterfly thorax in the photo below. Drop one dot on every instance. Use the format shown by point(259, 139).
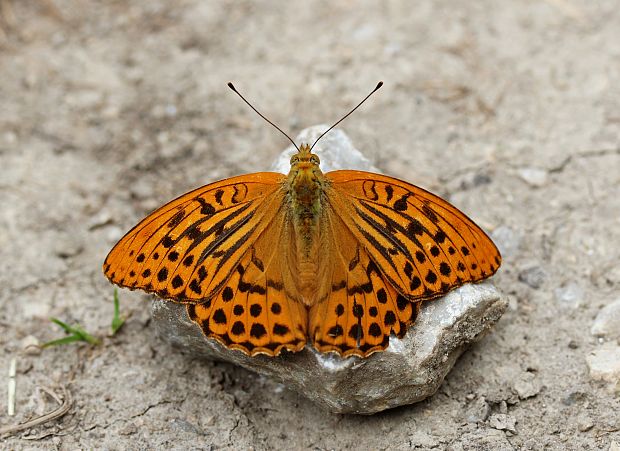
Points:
point(305, 185)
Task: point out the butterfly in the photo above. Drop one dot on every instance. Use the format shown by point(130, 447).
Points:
point(267, 262)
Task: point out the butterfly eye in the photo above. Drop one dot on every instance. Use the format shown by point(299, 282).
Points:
point(295, 159)
point(315, 159)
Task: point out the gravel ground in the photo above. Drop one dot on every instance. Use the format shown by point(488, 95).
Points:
point(511, 110)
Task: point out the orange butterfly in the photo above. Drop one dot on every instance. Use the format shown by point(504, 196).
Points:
point(266, 262)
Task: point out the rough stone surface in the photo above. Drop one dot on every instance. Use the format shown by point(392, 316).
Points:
point(409, 371)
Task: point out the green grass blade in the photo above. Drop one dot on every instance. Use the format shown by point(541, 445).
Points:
point(61, 341)
point(76, 333)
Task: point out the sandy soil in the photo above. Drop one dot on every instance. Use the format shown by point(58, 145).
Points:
point(109, 108)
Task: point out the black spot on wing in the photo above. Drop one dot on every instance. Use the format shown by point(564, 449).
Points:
point(401, 204)
point(218, 196)
point(339, 310)
point(238, 328)
point(370, 191)
point(177, 281)
point(429, 213)
point(335, 331)
point(375, 330)
point(205, 207)
point(389, 191)
point(257, 330)
point(445, 269)
point(176, 219)
point(280, 329)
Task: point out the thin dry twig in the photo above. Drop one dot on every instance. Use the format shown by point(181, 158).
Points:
point(65, 402)
point(12, 387)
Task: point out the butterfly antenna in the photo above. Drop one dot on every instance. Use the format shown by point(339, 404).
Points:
point(231, 86)
point(349, 113)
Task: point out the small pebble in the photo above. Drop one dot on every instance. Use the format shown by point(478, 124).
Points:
point(31, 345)
point(574, 398)
point(584, 423)
point(130, 429)
point(114, 234)
point(569, 295)
point(503, 407)
point(503, 422)
point(604, 363)
point(527, 385)
point(533, 276)
point(573, 344)
point(142, 189)
point(607, 322)
point(99, 220)
point(535, 177)
point(68, 245)
point(479, 411)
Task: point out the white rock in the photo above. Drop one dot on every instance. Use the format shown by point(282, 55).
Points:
point(604, 363)
point(335, 150)
point(607, 322)
point(444, 328)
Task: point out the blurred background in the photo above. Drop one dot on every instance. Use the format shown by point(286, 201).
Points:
point(510, 110)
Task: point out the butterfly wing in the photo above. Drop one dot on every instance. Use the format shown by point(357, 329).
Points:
point(360, 308)
point(395, 246)
point(423, 245)
point(221, 249)
point(256, 311)
point(187, 249)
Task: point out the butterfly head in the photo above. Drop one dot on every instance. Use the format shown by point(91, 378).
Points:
point(304, 159)
point(305, 180)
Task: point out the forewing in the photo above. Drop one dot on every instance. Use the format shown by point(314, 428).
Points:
point(187, 249)
point(422, 244)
